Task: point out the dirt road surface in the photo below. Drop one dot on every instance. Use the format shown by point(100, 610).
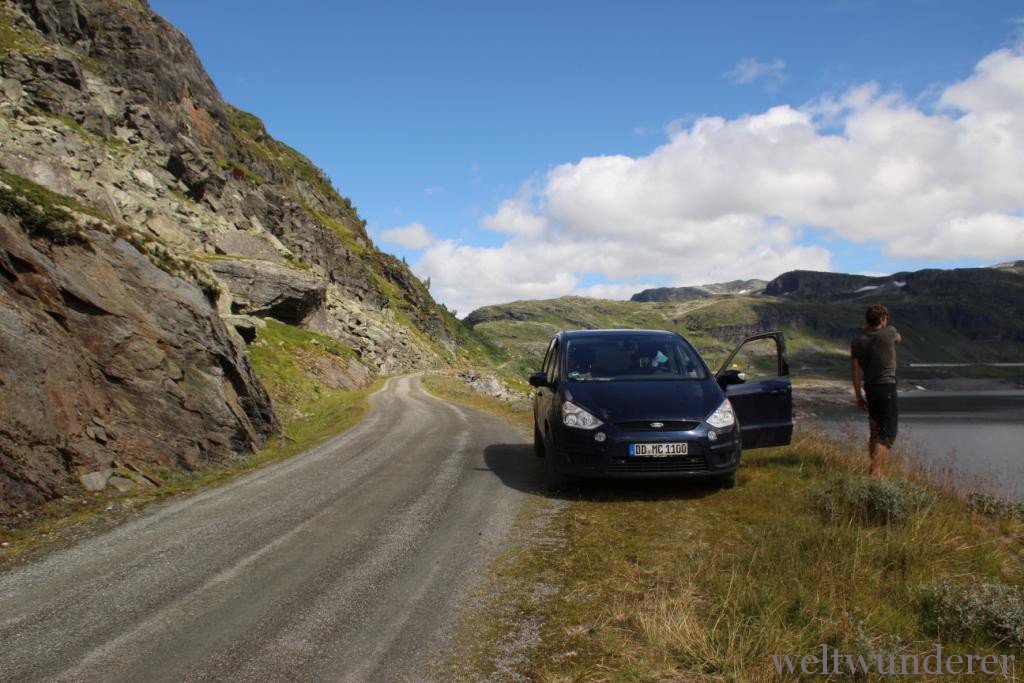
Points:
point(349, 562)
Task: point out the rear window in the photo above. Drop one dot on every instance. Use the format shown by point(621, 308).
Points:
point(622, 357)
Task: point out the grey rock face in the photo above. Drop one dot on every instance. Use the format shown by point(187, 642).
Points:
point(104, 357)
point(264, 289)
point(107, 104)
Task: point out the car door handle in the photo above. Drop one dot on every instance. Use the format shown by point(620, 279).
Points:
point(776, 392)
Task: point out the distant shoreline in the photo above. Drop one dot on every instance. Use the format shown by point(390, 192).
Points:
point(814, 395)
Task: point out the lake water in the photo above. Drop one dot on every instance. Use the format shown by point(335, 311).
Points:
point(973, 440)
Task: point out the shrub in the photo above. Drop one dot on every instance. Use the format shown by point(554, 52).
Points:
point(986, 611)
point(995, 507)
point(38, 217)
point(870, 501)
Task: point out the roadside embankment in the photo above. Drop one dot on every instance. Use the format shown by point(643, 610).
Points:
point(678, 581)
point(319, 389)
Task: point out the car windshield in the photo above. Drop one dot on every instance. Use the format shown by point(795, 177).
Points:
point(605, 358)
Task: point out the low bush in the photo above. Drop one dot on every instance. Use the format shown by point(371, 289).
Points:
point(870, 501)
point(983, 611)
point(995, 507)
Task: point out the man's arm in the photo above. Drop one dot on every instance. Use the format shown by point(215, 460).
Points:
point(855, 376)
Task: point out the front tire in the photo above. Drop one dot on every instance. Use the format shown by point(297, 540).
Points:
point(554, 481)
point(538, 443)
point(727, 481)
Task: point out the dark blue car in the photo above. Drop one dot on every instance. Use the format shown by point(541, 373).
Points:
point(643, 403)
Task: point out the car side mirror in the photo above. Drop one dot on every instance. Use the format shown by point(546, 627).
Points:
point(729, 377)
point(539, 379)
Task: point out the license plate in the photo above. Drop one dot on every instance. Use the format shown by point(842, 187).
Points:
point(656, 450)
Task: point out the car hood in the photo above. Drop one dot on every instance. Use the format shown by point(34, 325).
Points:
point(625, 401)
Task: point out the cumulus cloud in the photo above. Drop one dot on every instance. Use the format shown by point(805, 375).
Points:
point(412, 236)
point(750, 70)
point(515, 217)
point(729, 198)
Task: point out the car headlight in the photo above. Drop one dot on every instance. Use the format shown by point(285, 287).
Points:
point(724, 416)
point(574, 416)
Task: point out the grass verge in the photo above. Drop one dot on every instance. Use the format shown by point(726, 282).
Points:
point(310, 411)
point(444, 384)
point(682, 582)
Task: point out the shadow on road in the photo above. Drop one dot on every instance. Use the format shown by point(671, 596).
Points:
point(518, 468)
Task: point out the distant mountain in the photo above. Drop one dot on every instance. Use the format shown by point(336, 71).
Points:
point(1013, 266)
point(666, 294)
point(969, 314)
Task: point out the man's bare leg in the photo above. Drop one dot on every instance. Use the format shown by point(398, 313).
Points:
point(879, 453)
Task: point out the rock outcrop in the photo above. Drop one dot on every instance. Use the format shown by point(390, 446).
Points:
point(106, 359)
point(115, 351)
point(269, 290)
point(671, 294)
point(111, 106)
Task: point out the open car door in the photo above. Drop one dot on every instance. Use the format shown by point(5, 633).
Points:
point(763, 400)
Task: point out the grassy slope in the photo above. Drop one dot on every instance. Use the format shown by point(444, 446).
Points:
point(683, 582)
point(522, 329)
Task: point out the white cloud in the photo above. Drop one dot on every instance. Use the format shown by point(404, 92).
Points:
point(614, 291)
point(726, 198)
point(750, 69)
point(431, 191)
point(412, 236)
point(516, 217)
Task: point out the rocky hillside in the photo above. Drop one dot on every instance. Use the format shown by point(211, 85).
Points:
point(972, 315)
point(149, 229)
point(666, 294)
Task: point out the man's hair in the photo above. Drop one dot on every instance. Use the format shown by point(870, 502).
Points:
point(874, 315)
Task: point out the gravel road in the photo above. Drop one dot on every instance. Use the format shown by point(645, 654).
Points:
point(349, 562)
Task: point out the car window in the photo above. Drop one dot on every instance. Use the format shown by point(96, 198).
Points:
point(552, 367)
point(545, 365)
point(622, 357)
point(758, 359)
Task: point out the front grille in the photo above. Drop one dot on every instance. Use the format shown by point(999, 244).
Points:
point(689, 463)
point(667, 426)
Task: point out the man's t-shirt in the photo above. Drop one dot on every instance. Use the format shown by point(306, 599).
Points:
point(876, 353)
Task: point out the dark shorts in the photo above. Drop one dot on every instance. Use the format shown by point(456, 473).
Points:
point(883, 412)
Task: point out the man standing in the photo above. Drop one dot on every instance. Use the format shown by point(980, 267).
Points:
point(873, 362)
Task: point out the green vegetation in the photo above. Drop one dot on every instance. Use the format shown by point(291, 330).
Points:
point(41, 212)
point(817, 332)
point(975, 612)
point(250, 133)
point(285, 358)
point(866, 500)
point(687, 582)
point(444, 384)
point(996, 507)
point(18, 39)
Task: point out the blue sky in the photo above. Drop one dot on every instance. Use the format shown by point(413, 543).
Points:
point(436, 115)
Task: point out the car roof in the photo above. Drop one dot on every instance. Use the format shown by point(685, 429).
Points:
point(577, 334)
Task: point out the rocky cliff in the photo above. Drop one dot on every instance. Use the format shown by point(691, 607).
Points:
point(146, 221)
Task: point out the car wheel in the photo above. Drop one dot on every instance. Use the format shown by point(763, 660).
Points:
point(727, 482)
point(554, 481)
point(538, 443)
